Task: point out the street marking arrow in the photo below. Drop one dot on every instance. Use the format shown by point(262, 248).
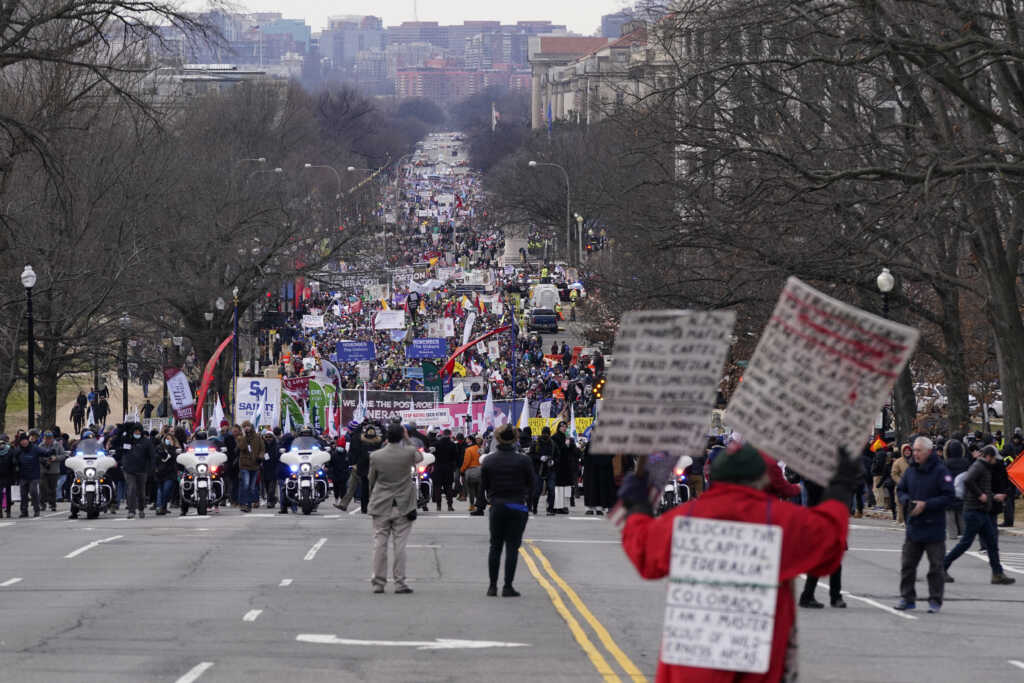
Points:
point(437, 644)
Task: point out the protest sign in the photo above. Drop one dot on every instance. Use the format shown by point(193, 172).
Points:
point(661, 389)
point(820, 373)
point(431, 417)
point(427, 348)
point(259, 401)
point(179, 394)
point(355, 351)
point(412, 372)
point(723, 586)
point(312, 321)
point(364, 371)
point(384, 405)
point(389, 320)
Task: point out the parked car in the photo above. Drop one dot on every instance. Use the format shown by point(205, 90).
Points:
point(543, 319)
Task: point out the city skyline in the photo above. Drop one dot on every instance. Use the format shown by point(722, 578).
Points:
point(579, 17)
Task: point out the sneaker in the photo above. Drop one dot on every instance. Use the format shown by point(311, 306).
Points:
point(378, 589)
point(839, 603)
point(934, 606)
point(343, 508)
point(811, 603)
point(589, 512)
point(1002, 580)
point(35, 513)
point(599, 513)
point(948, 578)
point(131, 515)
point(903, 606)
point(492, 591)
point(404, 590)
point(509, 592)
point(282, 512)
point(476, 513)
point(858, 514)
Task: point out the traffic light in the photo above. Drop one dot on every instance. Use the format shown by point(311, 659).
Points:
point(599, 388)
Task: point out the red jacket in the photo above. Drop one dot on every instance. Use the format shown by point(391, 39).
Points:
point(778, 485)
point(813, 540)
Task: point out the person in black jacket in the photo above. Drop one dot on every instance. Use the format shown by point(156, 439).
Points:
point(28, 458)
point(139, 459)
point(508, 480)
point(956, 463)
point(8, 472)
point(598, 482)
point(445, 465)
point(268, 470)
point(166, 470)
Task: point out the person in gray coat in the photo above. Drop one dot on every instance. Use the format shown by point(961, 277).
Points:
point(392, 505)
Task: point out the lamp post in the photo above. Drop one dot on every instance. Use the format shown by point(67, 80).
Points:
point(166, 347)
point(337, 176)
point(234, 343)
point(28, 281)
point(579, 239)
point(209, 319)
point(885, 282)
point(254, 173)
point(124, 322)
point(568, 218)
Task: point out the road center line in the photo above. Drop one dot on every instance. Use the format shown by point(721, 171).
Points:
point(595, 656)
point(602, 633)
point(90, 546)
point(285, 583)
point(10, 582)
point(869, 601)
point(1015, 662)
point(252, 615)
point(316, 547)
point(195, 672)
point(6, 523)
point(354, 511)
point(570, 540)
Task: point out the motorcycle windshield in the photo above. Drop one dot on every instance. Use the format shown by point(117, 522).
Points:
point(79, 463)
point(305, 449)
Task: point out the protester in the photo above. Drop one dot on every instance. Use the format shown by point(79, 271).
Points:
point(250, 460)
point(139, 459)
point(8, 474)
point(392, 504)
point(508, 480)
point(28, 457)
point(472, 476)
point(52, 464)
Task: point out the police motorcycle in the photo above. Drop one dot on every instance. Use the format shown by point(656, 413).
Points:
point(307, 483)
point(676, 490)
point(90, 489)
point(201, 485)
point(421, 477)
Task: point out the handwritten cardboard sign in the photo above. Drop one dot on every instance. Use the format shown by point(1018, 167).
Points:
point(663, 383)
point(723, 586)
point(819, 375)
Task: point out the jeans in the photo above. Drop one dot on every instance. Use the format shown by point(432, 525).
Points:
point(248, 481)
point(473, 491)
point(29, 488)
point(136, 485)
point(912, 551)
point(507, 527)
point(48, 489)
point(977, 523)
point(164, 491)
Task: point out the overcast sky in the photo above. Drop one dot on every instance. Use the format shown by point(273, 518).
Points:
point(580, 16)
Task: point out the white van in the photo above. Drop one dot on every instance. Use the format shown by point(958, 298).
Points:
point(544, 296)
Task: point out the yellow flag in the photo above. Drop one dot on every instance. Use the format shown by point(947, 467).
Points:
point(459, 369)
point(384, 305)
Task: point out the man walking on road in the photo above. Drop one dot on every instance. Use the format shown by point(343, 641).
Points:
point(138, 461)
point(29, 461)
point(925, 491)
point(392, 505)
point(53, 461)
point(508, 480)
point(978, 499)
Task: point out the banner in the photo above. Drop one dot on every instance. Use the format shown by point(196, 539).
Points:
point(427, 348)
point(320, 398)
point(432, 417)
point(820, 374)
point(258, 400)
point(208, 377)
point(467, 329)
point(179, 394)
point(412, 372)
point(384, 405)
point(294, 395)
point(389, 320)
point(312, 321)
point(355, 351)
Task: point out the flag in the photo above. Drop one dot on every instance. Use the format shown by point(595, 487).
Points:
point(495, 117)
point(90, 419)
point(331, 431)
point(549, 117)
point(524, 417)
point(489, 409)
point(218, 414)
point(572, 423)
point(469, 410)
point(305, 414)
point(384, 305)
point(291, 427)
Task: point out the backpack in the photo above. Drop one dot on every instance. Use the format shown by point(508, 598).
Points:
point(960, 486)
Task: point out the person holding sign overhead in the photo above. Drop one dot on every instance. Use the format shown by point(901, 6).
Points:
point(812, 541)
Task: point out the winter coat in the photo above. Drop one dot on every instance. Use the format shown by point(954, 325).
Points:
point(166, 462)
point(57, 452)
point(598, 480)
point(932, 483)
point(899, 467)
point(446, 458)
point(272, 460)
point(813, 540)
point(140, 458)
point(250, 451)
point(8, 464)
point(29, 461)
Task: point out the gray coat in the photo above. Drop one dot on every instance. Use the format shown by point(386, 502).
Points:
point(392, 490)
point(58, 453)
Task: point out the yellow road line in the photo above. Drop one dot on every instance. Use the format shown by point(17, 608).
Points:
point(599, 662)
point(602, 633)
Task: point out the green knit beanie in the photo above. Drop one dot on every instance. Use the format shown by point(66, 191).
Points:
point(738, 463)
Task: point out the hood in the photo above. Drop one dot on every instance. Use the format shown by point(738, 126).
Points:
point(929, 464)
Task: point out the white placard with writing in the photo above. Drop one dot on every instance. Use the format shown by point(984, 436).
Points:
point(389, 320)
point(312, 321)
point(662, 385)
point(432, 417)
point(821, 372)
point(722, 591)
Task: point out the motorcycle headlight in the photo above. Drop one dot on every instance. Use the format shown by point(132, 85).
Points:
point(90, 472)
point(305, 468)
point(202, 469)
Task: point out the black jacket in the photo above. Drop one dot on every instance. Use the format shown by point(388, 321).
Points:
point(446, 456)
point(166, 462)
point(507, 476)
point(141, 457)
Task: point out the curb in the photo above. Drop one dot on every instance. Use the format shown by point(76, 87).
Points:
point(872, 514)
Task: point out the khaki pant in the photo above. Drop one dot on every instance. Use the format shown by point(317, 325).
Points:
point(881, 493)
point(396, 527)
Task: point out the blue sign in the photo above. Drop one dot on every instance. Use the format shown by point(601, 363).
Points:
point(413, 373)
point(353, 352)
point(429, 347)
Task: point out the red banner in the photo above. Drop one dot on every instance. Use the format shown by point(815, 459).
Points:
point(446, 371)
point(208, 378)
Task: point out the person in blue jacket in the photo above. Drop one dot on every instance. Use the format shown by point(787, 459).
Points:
point(28, 458)
point(926, 491)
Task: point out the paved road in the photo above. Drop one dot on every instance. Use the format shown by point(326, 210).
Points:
point(226, 598)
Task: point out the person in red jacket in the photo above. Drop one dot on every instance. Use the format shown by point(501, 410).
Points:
point(813, 541)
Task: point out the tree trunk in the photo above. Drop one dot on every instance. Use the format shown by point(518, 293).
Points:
point(46, 389)
point(952, 361)
point(906, 406)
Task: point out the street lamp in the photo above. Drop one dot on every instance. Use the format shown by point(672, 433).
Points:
point(209, 319)
point(263, 170)
point(234, 382)
point(28, 281)
point(886, 282)
point(568, 220)
point(579, 239)
point(124, 322)
point(333, 170)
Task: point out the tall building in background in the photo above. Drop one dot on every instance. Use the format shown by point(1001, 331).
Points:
point(612, 24)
